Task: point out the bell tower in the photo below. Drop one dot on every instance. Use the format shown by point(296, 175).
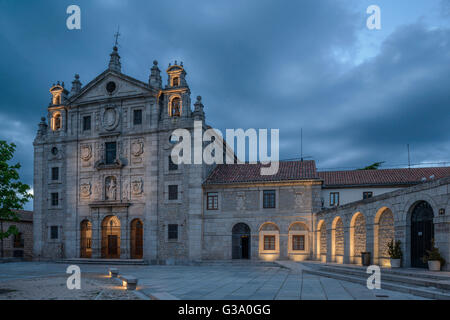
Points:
point(177, 99)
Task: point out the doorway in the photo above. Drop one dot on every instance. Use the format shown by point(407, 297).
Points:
point(422, 232)
point(111, 238)
point(241, 241)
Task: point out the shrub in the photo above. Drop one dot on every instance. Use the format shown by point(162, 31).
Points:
point(395, 249)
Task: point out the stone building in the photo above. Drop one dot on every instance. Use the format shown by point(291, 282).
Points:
point(21, 244)
point(105, 185)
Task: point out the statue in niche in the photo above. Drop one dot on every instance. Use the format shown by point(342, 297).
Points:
point(176, 107)
point(111, 188)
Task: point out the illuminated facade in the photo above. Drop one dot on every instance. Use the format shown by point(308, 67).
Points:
point(106, 187)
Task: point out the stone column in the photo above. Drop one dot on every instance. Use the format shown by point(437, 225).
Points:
point(347, 245)
point(370, 243)
point(402, 233)
point(442, 237)
point(329, 233)
point(96, 241)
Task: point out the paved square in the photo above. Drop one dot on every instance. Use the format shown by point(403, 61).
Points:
point(240, 282)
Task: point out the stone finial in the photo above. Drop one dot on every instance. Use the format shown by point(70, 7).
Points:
point(155, 79)
point(42, 127)
point(76, 85)
point(198, 113)
point(114, 61)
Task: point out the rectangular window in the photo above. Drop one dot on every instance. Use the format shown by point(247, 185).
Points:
point(137, 117)
point(55, 173)
point(334, 198)
point(54, 198)
point(367, 194)
point(173, 231)
point(86, 123)
point(173, 192)
point(269, 242)
point(212, 201)
point(298, 242)
point(110, 156)
point(54, 232)
point(269, 199)
point(18, 241)
point(172, 166)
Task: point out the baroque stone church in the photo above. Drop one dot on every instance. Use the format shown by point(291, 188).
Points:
point(105, 185)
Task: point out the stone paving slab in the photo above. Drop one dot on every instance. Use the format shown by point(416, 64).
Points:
point(246, 282)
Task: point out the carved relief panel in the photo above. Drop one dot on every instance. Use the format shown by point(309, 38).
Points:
point(137, 151)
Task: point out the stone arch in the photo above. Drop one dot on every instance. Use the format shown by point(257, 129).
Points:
point(111, 237)
point(241, 241)
point(337, 240)
point(384, 232)
point(137, 239)
point(322, 241)
point(357, 237)
point(412, 201)
point(269, 241)
point(175, 105)
point(85, 239)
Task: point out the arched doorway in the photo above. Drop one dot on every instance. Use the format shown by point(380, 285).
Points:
point(240, 241)
point(111, 238)
point(137, 239)
point(422, 232)
point(85, 239)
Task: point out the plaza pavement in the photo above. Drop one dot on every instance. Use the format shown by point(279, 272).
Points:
point(239, 282)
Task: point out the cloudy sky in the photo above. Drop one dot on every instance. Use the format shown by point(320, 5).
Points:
point(360, 95)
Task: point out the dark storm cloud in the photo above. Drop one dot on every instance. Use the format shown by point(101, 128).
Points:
point(264, 64)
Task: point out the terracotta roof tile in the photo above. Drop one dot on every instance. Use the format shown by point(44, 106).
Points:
point(241, 173)
point(382, 176)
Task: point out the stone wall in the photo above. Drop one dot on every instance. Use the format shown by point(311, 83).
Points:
point(388, 216)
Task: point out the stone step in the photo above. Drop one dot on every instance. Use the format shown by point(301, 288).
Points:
point(444, 276)
point(104, 261)
point(237, 263)
point(392, 277)
point(427, 292)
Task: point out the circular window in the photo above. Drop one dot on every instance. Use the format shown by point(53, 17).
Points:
point(54, 151)
point(111, 86)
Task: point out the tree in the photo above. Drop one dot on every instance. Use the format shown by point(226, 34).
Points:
point(373, 166)
point(13, 193)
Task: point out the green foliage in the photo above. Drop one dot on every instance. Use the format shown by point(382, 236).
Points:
point(373, 166)
point(395, 249)
point(13, 193)
point(433, 255)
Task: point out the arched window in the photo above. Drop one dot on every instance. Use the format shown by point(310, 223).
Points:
point(56, 121)
point(175, 107)
point(175, 82)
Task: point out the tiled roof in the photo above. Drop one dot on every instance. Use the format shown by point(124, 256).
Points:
point(382, 176)
point(241, 173)
point(24, 215)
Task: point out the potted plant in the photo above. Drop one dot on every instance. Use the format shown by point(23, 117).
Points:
point(433, 258)
point(395, 253)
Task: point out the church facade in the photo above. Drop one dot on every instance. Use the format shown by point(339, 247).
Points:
point(105, 185)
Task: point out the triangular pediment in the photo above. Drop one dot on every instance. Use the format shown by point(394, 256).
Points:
point(111, 84)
